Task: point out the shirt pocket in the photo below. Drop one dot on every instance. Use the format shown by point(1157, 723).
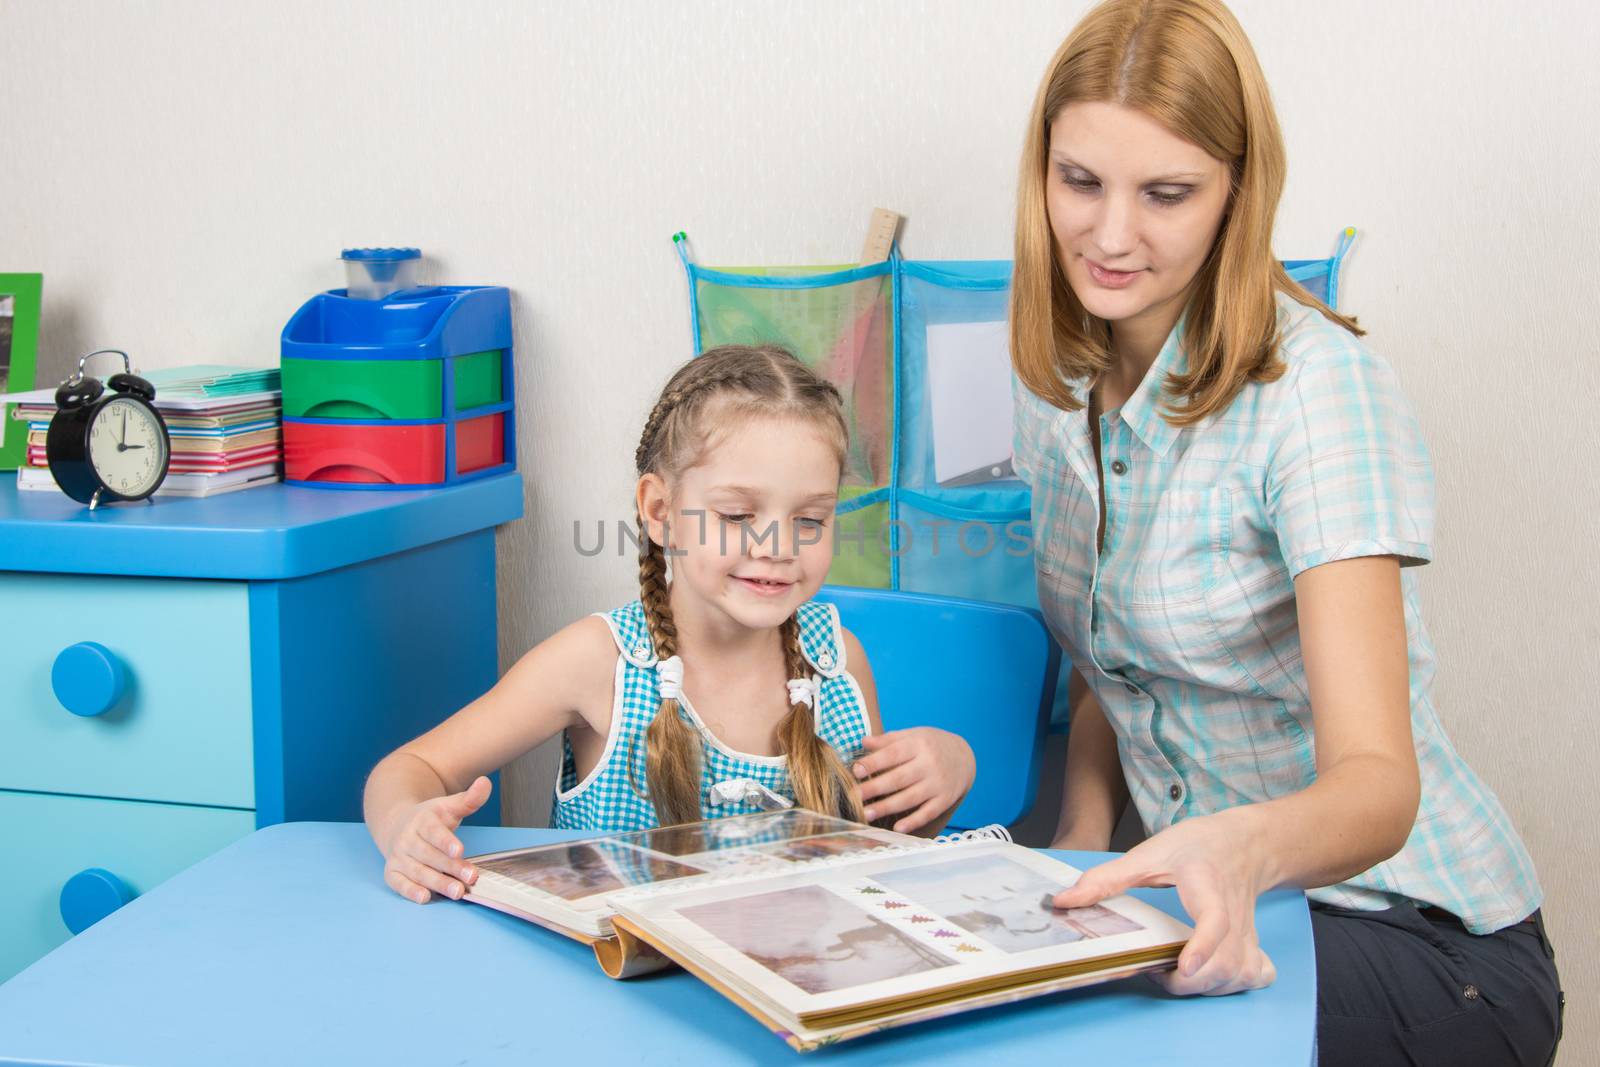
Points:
point(1182, 548)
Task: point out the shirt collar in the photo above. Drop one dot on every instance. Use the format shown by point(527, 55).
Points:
point(1142, 410)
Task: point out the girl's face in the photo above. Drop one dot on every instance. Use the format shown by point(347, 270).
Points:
point(1134, 210)
point(749, 530)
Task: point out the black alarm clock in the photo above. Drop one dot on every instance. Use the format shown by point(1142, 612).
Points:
point(107, 446)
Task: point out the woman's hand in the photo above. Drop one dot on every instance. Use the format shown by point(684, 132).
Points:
point(422, 852)
point(923, 771)
point(1219, 870)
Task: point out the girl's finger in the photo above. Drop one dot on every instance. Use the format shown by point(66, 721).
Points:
point(405, 886)
point(429, 878)
point(890, 781)
point(471, 798)
point(929, 811)
point(891, 755)
point(906, 799)
point(441, 837)
point(429, 856)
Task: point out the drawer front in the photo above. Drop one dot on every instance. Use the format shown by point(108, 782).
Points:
point(180, 731)
point(48, 839)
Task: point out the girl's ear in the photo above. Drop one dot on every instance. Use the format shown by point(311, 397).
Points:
point(655, 505)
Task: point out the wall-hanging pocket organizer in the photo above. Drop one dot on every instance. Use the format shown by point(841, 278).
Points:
point(918, 350)
point(410, 391)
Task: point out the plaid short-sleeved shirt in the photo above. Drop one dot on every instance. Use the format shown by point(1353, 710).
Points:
point(612, 796)
point(1184, 624)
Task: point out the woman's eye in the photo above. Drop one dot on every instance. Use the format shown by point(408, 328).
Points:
point(1079, 181)
point(1167, 198)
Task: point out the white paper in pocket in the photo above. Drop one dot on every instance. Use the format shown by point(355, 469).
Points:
point(969, 382)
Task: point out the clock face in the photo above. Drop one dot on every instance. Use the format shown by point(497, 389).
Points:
point(127, 447)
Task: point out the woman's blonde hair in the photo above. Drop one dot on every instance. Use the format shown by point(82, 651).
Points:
point(706, 397)
point(1188, 65)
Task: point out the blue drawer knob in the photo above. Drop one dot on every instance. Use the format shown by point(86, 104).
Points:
point(90, 896)
point(88, 678)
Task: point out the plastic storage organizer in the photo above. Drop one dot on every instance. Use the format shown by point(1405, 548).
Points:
point(409, 391)
point(869, 330)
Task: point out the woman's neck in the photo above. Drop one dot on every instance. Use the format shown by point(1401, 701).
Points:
point(1136, 343)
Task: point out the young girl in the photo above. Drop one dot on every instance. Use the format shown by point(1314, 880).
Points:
point(723, 687)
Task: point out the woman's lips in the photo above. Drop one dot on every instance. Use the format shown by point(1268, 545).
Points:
point(1111, 279)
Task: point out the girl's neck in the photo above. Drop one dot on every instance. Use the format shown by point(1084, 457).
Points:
point(714, 637)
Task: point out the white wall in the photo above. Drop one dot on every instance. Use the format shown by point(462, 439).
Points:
point(184, 173)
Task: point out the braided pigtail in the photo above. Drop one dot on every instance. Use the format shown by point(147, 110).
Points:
point(820, 779)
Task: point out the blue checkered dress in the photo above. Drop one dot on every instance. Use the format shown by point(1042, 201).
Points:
point(607, 799)
point(1184, 624)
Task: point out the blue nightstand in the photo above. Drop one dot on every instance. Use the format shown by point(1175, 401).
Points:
point(175, 675)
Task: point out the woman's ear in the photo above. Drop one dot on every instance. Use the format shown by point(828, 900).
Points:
point(655, 504)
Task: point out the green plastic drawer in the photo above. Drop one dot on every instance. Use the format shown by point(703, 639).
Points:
point(48, 839)
point(181, 731)
point(386, 388)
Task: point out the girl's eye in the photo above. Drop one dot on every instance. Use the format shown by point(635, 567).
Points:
point(739, 519)
point(812, 524)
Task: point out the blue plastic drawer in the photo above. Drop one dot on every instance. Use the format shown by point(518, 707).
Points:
point(47, 840)
point(181, 731)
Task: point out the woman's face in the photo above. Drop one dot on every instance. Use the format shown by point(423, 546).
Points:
point(1134, 210)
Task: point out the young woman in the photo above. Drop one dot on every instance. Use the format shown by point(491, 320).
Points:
point(1229, 489)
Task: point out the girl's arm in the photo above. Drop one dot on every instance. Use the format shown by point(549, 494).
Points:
point(921, 774)
point(1357, 813)
point(1094, 792)
point(418, 794)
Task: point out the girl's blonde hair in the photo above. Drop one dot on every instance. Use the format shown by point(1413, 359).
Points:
point(706, 397)
point(1188, 65)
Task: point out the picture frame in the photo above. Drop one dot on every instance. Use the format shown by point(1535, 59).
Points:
point(19, 352)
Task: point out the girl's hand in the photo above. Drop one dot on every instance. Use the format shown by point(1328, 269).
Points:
point(423, 853)
point(1216, 865)
point(922, 770)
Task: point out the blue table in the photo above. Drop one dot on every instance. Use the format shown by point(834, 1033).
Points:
point(286, 947)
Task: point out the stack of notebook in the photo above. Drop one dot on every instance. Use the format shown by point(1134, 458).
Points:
point(226, 425)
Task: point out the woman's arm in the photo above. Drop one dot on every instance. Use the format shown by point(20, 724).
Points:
point(1358, 812)
point(1094, 792)
point(418, 794)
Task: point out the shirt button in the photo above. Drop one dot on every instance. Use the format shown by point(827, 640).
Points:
point(641, 651)
point(1470, 992)
point(1119, 467)
point(825, 661)
point(1175, 792)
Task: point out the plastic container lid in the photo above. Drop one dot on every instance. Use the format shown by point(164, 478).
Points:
point(381, 255)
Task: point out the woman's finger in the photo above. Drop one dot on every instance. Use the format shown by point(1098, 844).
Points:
point(1212, 924)
point(1107, 880)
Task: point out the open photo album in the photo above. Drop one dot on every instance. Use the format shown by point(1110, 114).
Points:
point(823, 929)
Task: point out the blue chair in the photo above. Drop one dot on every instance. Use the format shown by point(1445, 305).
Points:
point(984, 671)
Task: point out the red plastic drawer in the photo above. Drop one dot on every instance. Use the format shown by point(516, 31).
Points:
point(407, 454)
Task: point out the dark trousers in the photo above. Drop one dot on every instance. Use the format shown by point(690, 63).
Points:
point(1413, 987)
